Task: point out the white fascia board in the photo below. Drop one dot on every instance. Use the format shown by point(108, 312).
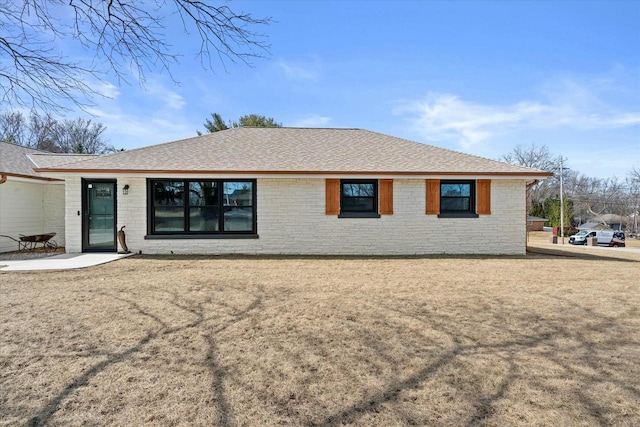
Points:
point(33, 180)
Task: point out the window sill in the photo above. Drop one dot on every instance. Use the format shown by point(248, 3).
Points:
point(199, 236)
point(359, 215)
point(458, 215)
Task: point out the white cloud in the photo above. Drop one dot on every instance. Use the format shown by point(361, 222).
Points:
point(312, 120)
point(448, 117)
point(138, 117)
point(105, 89)
point(300, 72)
point(624, 120)
point(167, 97)
point(129, 131)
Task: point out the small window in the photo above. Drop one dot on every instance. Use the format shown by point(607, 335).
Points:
point(238, 206)
point(457, 198)
point(168, 206)
point(203, 206)
point(358, 198)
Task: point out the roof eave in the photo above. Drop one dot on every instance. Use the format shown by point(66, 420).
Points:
point(35, 177)
point(62, 171)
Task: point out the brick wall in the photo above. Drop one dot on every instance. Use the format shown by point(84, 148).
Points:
point(132, 213)
point(53, 211)
point(73, 221)
point(20, 211)
point(30, 207)
point(291, 220)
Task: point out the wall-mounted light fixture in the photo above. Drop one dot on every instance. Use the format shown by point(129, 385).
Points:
point(125, 189)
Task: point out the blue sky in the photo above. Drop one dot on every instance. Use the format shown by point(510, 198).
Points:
point(478, 77)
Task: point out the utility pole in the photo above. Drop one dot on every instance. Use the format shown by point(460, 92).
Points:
point(561, 201)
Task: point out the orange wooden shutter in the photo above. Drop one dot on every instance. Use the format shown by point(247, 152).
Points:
point(433, 196)
point(333, 197)
point(385, 191)
point(484, 196)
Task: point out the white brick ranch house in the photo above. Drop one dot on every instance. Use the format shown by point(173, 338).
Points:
point(295, 191)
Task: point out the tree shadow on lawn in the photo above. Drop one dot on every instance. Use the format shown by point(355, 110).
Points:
point(480, 403)
point(566, 355)
point(234, 314)
point(582, 363)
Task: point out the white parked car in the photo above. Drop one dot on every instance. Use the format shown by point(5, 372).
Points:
point(580, 238)
point(603, 237)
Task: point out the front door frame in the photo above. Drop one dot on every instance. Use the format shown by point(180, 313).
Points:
point(85, 215)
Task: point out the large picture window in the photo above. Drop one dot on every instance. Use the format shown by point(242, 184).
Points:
point(457, 197)
point(358, 198)
point(201, 207)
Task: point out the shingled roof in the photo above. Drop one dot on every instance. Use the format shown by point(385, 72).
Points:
point(46, 160)
point(16, 160)
point(294, 151)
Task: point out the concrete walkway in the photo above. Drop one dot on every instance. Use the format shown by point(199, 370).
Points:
point(60, 262)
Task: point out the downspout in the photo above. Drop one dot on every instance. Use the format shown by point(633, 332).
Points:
point(526, 212)
point(532, 183)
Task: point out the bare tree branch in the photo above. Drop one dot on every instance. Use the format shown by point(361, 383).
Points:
point(120, 36)
point(43, 132)
point(538, 157)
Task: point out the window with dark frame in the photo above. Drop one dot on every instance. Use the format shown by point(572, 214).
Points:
point(457, 197)
point(201, 207)
point(358, 197)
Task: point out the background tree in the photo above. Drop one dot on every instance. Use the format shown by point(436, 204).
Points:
point(551, 211)
point(42, 132)
point(216, 124)
point(256, 120)
point(538, 157)
point(121, 35)
point(595, 198)
point(81, 137)
point(589, 198)
point(633, 184)
point(532, 156)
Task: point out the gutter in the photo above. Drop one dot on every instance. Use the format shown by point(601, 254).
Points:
point(4, 176)
point(526, 213)
point(532, 183)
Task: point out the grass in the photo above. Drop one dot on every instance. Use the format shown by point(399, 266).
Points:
point(531, 340)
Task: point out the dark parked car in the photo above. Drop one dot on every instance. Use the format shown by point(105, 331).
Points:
point(616, 243)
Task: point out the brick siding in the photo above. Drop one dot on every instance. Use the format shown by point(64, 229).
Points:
point(291, 220)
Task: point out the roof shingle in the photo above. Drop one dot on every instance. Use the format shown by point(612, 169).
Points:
point(14, 160)
point(22, 161)
point(295, 150)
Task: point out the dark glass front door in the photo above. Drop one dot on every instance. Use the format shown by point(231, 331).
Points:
point(99, 219)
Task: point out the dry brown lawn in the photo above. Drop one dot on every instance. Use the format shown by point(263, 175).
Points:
point(532, 340)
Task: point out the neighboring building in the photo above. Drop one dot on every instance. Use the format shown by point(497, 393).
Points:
point(535, 224)
point(592, 225)
point(296, 191)
point(612, 221)
point(29, 202)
